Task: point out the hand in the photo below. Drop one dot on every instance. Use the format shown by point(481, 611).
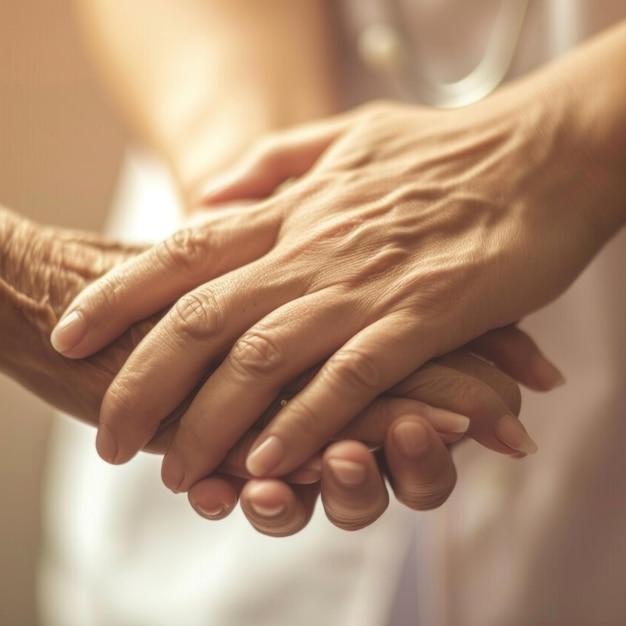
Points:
point(398, 244)
point(41, 271)
point(353, 490)
point(418, 463)
point(43, 268)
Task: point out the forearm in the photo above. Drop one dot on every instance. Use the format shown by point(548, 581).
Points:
point(41, 270)
point(585, 97)
point(201, 79)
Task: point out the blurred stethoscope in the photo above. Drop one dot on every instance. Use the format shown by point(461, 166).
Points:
point(386, 44)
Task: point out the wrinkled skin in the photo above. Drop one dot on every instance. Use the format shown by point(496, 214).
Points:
point(43, 268)
point(406, 233)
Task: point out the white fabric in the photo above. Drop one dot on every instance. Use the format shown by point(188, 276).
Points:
point(520, 543)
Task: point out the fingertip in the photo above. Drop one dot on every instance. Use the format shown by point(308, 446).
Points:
point(69, 332)
point(173, 471)
point(273, 509)
point(213, 498)
point(411, 437)
point(421, 470)
point(349, 474)
point(546, 375)
point(106, 444)
point(353, 490)
point(511, 432)
point(265, 457)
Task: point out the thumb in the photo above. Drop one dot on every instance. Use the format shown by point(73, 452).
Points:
point(272, 161)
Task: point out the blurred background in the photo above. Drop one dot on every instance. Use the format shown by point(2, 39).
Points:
point(60, 149)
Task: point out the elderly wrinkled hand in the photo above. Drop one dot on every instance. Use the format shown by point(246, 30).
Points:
point(43, 268)
point(411, 433)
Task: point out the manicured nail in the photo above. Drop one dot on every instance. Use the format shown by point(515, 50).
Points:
point(266, 510)
point(412, 439)
point(68, 332)
point(347, 473)
point(447, 421)
point(266, 457)
point(106, 444)
point(512, 433)
point(172, 471)
point(546, 374)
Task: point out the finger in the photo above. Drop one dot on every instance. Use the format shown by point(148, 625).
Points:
point(484, 374)
point(234, 464)
point(515, 352)
point(262, 361)
point(464, 395)
point(272, 161)
point(353, 490)
point(277, 509)
point(472, 387)
point(215, 497)
point(180, 351)
point(154, 279)
point(372, 424)
point(420, 467)
point(372, 361)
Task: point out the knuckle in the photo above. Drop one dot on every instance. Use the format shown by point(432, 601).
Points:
point(197, 316)
point(308, 422)
point(119, 401)
point(190, 437)
point(188, 250)
point(354, 369)
point(256, 353)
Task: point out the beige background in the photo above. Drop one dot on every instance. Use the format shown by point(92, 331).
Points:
point(59, 152)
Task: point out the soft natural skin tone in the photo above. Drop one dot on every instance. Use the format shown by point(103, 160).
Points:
point(42, 268)
point(407, 233)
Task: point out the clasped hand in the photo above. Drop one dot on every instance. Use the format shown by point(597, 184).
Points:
point(406, 234)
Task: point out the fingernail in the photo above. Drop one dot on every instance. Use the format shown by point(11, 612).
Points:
point(172, 471)
point(213, 512)
point(411, 438)
point(106, 444)
point(266, 457)
point(546, 374)
point(448, 422)
point(347, 473)
point(266, 510)
point(68, 332)
point(512, 433)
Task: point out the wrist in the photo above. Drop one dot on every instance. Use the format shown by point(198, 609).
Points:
point(586, 90)
point(42, 270)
